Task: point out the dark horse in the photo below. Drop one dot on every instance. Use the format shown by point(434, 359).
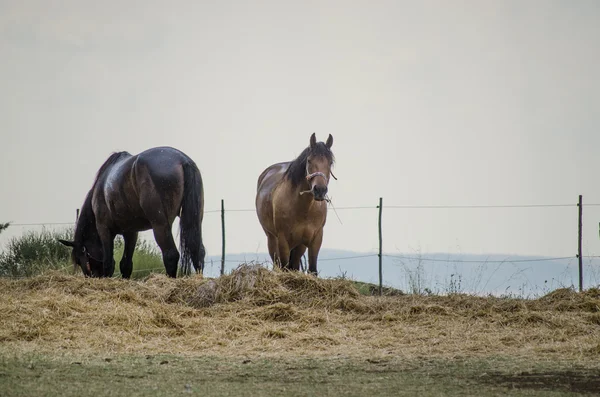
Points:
point(291, 208)
point(136, 193)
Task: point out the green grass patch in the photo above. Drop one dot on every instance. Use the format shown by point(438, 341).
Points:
point(370, 289)
point(39, 375)
point(36, 252)
point(147, 258)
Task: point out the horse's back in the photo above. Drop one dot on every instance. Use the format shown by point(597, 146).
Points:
point(163, 166)
point(160, 171)
point(165, 152)
point(267, 182)
point(163, 160)
point(136, 187)
point(271, 176)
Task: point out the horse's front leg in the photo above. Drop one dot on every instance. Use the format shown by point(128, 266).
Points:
point(283, 252)
point(296, 257)
point(108, 239)
point(126, 264)
point(313, 252)
point(272, 245)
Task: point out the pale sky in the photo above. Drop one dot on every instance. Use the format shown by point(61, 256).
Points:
point(429, 102)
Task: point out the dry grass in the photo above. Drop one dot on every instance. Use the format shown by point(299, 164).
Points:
point(257, 312)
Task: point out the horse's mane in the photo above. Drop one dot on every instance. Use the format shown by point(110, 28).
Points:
point(296, 172)
point(83, 231)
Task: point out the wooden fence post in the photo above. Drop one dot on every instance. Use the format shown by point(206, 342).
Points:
point(223, 237)
point(380, 244)
point(579, 236)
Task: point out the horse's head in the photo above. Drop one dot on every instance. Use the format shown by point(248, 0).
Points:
point(318, 166)
point(85, 256)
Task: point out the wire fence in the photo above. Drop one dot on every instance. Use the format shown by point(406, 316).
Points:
point(382, 255)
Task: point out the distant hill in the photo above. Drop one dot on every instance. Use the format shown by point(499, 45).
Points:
point(443, 272)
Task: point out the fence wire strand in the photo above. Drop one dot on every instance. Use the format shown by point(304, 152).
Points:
point(508, 260)
point(365, 207)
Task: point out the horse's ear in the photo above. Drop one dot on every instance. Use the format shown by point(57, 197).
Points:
point(67, 243)
point(329, 142)
point(313, 140)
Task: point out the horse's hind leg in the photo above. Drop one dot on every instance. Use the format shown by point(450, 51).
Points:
point(296, 257)
point(170, 255)
point(126, 264)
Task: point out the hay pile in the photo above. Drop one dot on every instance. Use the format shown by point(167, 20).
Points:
point(254, 311)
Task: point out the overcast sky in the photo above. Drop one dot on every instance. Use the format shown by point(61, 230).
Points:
point(429, 102)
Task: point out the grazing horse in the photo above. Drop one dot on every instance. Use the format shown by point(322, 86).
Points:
point(291, 205)
point(135, 193)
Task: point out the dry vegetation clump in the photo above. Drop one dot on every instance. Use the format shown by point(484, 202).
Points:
point(568, 300)
point(258, 286)
point(255, 311)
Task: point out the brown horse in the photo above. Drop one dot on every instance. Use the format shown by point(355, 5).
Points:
point(137, 193)
point(291, 205)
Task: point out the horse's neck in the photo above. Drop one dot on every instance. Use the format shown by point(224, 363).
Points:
point(86, 223)
point(301, 202)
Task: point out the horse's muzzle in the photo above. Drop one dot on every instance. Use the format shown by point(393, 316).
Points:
point(87, 271)
point(319, 192)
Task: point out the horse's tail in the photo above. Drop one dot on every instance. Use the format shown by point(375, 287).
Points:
point(190, 220)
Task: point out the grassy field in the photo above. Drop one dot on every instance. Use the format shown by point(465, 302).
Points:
point(167, 375)
point(260, 332)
